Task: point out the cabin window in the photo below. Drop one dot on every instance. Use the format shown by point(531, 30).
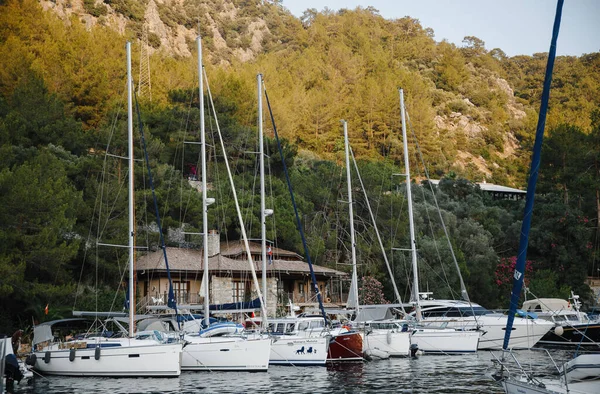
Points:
point(302, 326)
point(316, 324)
point(290, 328)
point(280, 327)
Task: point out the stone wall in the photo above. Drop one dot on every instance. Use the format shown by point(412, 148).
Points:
point(220, 290)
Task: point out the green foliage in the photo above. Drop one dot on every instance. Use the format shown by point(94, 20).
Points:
point(93, 9)
point(61, 89)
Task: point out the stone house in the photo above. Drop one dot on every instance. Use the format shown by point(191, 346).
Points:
point(230, 278)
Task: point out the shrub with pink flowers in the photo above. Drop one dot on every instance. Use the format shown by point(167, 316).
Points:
point(505, 271)
point(370, 292)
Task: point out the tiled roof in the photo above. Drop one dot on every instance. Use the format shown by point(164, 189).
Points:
point(236, 248)
point(190, 260)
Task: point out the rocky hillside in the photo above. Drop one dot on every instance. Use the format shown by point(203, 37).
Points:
point(230, 29)
point(472, 108)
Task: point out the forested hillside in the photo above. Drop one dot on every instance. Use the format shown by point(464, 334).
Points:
point(473, 110)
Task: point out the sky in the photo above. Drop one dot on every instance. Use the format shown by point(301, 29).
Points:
point(517, 27)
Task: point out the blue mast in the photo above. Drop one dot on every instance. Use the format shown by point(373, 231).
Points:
point(519, 274)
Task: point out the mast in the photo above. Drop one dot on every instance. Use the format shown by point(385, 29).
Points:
point(387, 263)
point(297, 215)
point(263, 307)
point(203, 179)
point(131, 196)
point(354, 284)
point(263, 214)
point(519, 275)
point(413, 242)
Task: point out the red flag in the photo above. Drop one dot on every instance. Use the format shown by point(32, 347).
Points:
point(46, 309)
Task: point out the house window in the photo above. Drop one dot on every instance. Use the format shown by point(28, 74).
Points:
point(239, 291)
point(181, 291)
point(300, 287)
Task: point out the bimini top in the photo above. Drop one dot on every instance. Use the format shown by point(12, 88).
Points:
point(43, 332)
point(546, 305)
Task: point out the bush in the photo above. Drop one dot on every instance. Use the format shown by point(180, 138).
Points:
point(90, 7)
point(458, 106)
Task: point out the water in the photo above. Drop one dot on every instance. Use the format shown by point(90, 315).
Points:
point(426, 374)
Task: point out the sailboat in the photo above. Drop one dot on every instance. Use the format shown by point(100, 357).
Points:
point(581, 374)
point(141, 354)
point(464, 314)
point(345, 344)
point(288, 347)
point(210, 350)
point(383, 338)
point(428, 338)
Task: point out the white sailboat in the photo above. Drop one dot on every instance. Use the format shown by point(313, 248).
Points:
point(204, 352)
point(430, 339)
point(135, 355)
point(382, 339)
point(287, 346)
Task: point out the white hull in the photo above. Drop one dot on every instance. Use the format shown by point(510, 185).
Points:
point(118, 358)
point(225, 353)
point(513, 386)
point(294, 350)
point(525, 334)
point(432, 340)
point(394, 343)
point(584, 366)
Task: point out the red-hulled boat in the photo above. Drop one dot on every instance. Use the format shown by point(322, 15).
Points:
point(345, 346)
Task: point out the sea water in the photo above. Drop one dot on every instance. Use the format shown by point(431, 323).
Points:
point(426, 374)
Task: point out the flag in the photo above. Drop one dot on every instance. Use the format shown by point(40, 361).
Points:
point(270, 253)
point(46, 309)
point(126, 300)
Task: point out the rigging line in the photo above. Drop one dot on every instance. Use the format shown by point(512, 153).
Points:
point(184, 122)
point(171, 302)
point(298, 222)
point(463, 288)
point(430, 224)
point(145, 206)
point(387, 264)
point(221, 209)
point(250, 195)
point(99, 196)
point(433, 236)
point(85, 249)
point(263, 307)
point(271, 196)
point(184, 208)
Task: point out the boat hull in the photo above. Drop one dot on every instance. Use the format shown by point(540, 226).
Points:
point(575, 335)
point(445, 341)
point(346, 346)
point(394, 343)
point(525, 332)
point(294, 350)
point(512, 386)
point(584, 366)
point(133, 359)
point(234, 353)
